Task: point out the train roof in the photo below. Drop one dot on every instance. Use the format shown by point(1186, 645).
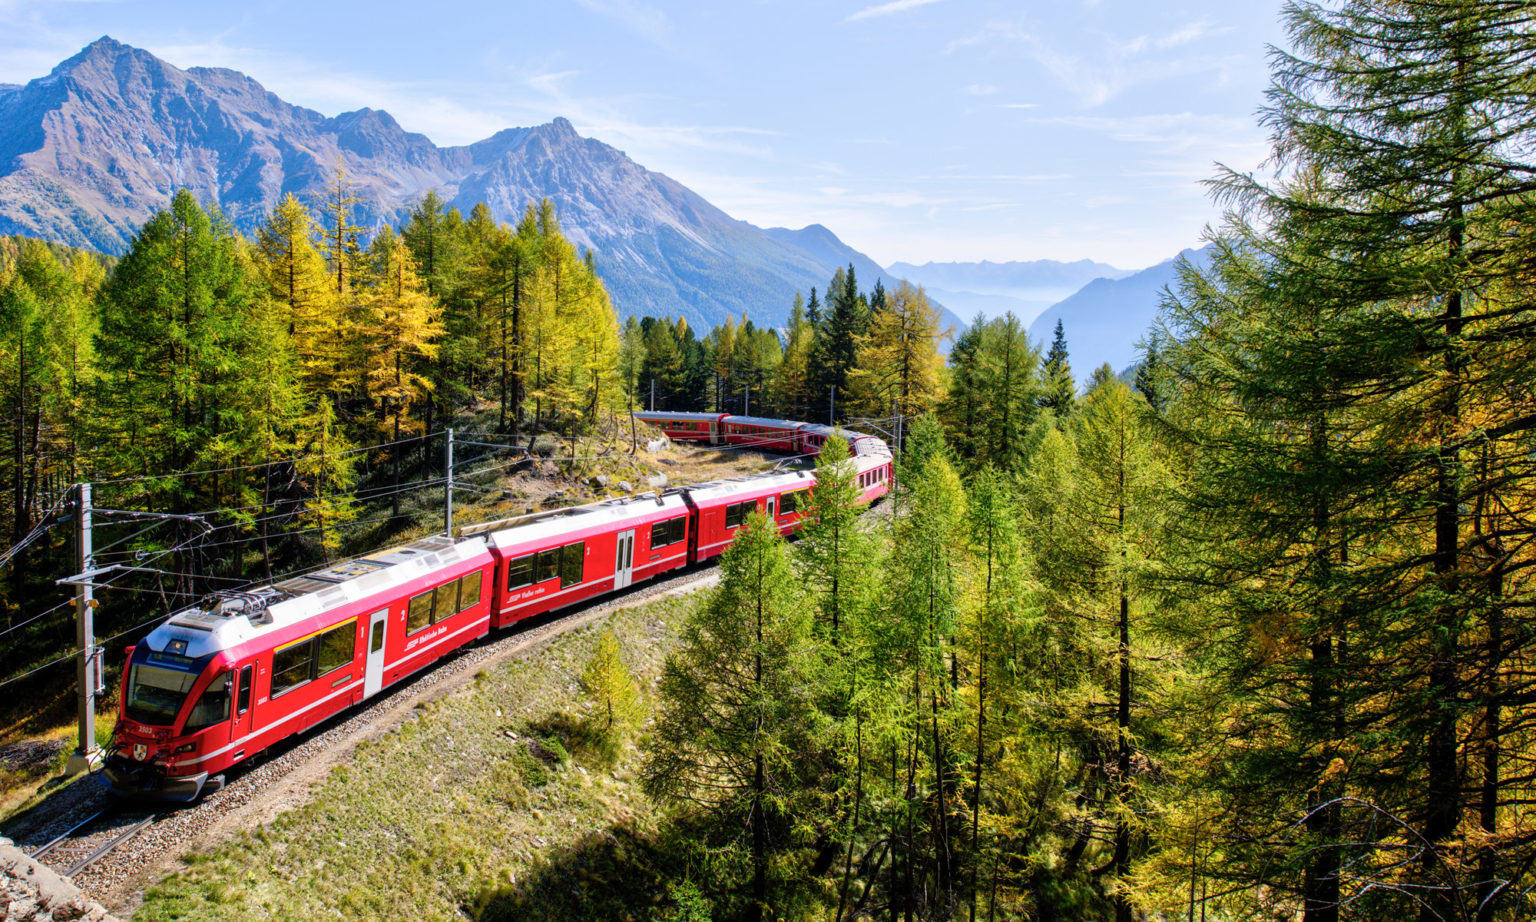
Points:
point(763, 421)
point(757, 483)
point(675, 415)
point(228, 618)
point(576, 523)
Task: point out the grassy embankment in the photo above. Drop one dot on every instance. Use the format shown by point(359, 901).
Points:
point(492, 802)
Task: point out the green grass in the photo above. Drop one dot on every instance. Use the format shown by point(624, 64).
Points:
point(450, 815)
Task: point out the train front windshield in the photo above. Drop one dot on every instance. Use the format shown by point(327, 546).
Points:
point(156, 692)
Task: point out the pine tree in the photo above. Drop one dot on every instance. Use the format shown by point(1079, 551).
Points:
point(1060, 390)
point(995, 393)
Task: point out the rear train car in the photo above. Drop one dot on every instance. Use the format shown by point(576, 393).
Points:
point(685, 427)
point(762, 433)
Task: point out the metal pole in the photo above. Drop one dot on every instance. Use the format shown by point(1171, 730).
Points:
point(88, 666)
point(746, 406)
point(448, 505)
point(832, 413)
point(653, 395)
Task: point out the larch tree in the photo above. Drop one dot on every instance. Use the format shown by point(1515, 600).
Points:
point(897, 362)
point(298, 279)
point(1402, 197)
point(738, 704)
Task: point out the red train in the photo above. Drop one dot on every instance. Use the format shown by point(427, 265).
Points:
point(757, 432)
point(221, 681)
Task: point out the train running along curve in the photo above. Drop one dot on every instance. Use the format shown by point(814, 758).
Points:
point(223, 680)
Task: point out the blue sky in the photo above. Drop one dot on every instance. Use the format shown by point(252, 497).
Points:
point(916, 130)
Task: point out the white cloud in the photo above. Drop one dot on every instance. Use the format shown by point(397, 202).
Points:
point(647, 22)
point(981, 89)
point(887, 9)
point(1103, 67)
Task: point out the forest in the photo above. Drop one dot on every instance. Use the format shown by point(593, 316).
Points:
point(1247, 635)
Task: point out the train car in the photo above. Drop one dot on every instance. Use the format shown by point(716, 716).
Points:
point(875, 471)
point(553, 560)
point(225, 679)
point(815, 435)
point(762, 433)
point(720, 508)
point(685, 427)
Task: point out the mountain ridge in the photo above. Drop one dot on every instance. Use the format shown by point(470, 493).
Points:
point(89, 151)
point(1103, 320)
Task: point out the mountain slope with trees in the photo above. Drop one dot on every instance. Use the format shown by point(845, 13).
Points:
point(89, 152)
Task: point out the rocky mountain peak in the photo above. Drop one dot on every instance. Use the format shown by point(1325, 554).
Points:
point(89, 153)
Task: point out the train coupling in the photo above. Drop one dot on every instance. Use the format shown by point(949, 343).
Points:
point(139, 781)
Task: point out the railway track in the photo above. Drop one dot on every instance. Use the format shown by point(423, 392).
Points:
point(92, 839)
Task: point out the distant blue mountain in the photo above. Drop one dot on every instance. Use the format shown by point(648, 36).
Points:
point(824, 246)
point(992, 289)
point(1107, 317)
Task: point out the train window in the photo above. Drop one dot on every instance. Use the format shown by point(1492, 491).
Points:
point(243, 702)
point(156, 694)
point(445, 601)
point(420, 612)
point(520, 571)
point(573, 558)
point(213, 706)
point(547, 566)
point(291, 665)
point(668, 532)
point(736, 513)
point(336, 647)
point(790, 502)
point(469, 591)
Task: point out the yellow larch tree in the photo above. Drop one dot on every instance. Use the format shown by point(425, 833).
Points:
point(898, 358)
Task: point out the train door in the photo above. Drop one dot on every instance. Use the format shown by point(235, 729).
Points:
point(244, 695)
point(373, 675)
point(772, 500)
point(624, 560)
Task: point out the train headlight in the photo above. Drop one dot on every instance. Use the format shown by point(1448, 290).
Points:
point(185, 747)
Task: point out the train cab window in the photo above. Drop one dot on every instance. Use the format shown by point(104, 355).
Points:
point(336, 648)
point(419, 615)
point(520, 571)
point(573, 559)
point(213, 706)
point(469, 591)
point(445, 601)
point(547, 566)
point(668, 532)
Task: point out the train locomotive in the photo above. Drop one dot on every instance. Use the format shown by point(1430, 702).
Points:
point(221, 681)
